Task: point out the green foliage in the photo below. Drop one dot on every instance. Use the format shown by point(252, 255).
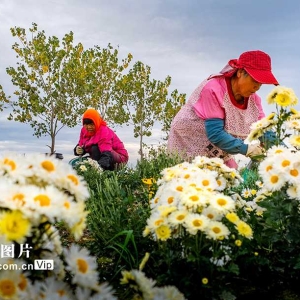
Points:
point(45, 95)
point(99, 76)
point(142, 100)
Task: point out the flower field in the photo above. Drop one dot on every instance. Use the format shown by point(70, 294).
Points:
point(167, 229)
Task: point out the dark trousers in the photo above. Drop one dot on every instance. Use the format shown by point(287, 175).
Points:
point(95, 152)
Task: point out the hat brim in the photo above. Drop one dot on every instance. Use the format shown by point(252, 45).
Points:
point(262, 76)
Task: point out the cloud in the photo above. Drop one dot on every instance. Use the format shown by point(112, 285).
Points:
point(188, 40)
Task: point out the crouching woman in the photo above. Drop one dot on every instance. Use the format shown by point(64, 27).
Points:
point(100, 142)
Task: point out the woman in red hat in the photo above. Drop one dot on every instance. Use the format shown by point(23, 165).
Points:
point(217, 117)
point(100, 142)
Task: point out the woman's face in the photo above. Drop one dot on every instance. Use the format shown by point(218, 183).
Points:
point(90, 127)
point(246, 84)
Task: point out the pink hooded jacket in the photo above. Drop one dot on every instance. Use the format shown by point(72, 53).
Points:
point(104, 137)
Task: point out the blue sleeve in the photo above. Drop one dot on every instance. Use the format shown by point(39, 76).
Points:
point(219, 137)
point(268, 139)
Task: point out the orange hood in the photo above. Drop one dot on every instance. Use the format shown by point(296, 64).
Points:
point(95, 117)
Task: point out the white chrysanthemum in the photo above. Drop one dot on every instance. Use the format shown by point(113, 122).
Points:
point(195, 222)
point(221, 183)
point(246, 193)
point(14, 166)
point(283, 162)
point(190, 172)
point(293, 124)
point(216, 230)
point(259, 183)
point(155, 220)
point(155, 201)
point(199, 161)
point(177, 217)
point(9, 281)
point(262, 123)
point(275, 150)
point(72, 212)
point(266, 166)
point(273, 181)
point(54, 288)
point(167, 195)
point(292, 175)
point(78, 223)
point(74, 183)
point(82, 266)
point(169, 174)
point(212, 213)
point(45, 168)
point(295, 140)
point(192, 198)
point(207, 181)
point(47, 201)
point(293, 191)
point(222, 202)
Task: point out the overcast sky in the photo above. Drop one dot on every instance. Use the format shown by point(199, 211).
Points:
point(187, 40)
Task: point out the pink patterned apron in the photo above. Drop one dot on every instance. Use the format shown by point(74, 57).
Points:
point(188, 138)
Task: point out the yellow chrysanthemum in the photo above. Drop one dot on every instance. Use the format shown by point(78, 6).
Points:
point(204, 280)
point(232, 217)
point(14, 226)
point(244, 229)
point(282, 96)
point(163, 232)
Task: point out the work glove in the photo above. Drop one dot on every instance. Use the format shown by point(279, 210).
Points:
point(254, 150)
point(79, 150)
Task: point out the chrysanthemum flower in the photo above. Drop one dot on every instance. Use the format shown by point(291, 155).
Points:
point(195, 222)
point(222, 202)
point(246, 193)
point(293, 191)
point(216, 229)
point(82, 266)
point(192, 198)
point(177, 217)
point(273, 181)
point(295, 140)
point(163, 232)
point(15, 226)
point(9, 281)
point(244, 229)
point(282, 96)
point(232, 217)
point(212, 213)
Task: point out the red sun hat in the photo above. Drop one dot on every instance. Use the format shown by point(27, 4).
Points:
point(257, 64)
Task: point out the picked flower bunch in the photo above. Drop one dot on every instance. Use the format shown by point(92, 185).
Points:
point(193, 200)
point(37, 192)
point(285, 124)
point(280, 172)
point(88, 164)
